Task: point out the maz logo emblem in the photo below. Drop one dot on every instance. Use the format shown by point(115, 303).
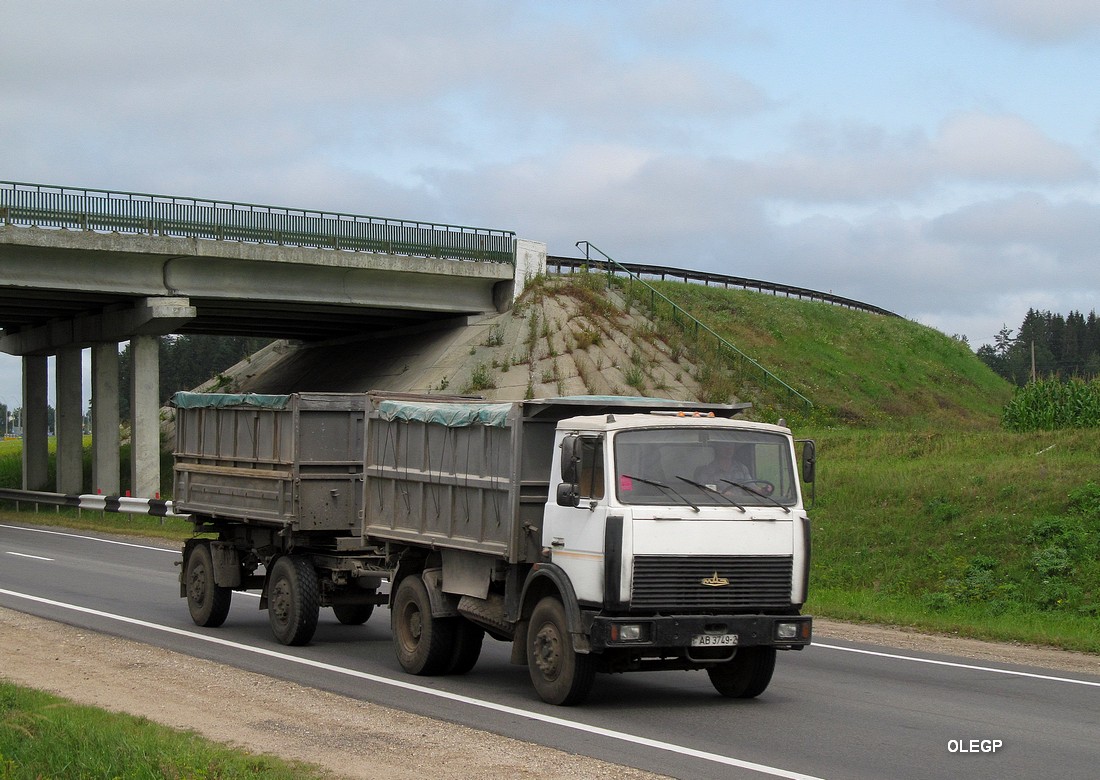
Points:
point(714, 581)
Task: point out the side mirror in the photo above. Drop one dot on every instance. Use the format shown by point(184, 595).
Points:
point(570, 457)
point(809, 460)
point(568, 495)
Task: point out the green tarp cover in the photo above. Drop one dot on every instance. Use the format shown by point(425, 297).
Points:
point(451, 415)
point(218, 400)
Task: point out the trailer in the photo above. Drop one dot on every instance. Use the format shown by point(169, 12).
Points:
point(594, 534)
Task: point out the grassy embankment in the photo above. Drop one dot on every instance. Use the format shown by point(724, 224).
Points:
point(929, 513)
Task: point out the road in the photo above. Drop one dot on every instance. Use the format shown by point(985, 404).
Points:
point(835, 710)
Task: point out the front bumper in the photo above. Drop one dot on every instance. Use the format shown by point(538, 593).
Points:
point(789, 632)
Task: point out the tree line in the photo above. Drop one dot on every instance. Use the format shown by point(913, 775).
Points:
point(1046, 345)
point(187, 362)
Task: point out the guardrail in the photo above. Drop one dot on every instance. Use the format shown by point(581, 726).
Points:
point(138, 506)
point(707, 278)
point(52, 206)
point(686, 320)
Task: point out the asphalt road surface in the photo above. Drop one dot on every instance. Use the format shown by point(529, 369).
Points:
point(835, 710)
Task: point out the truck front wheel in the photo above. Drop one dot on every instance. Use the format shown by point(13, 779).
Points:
point(745, 676)
point(293, 600)
point(559, 673)
point(207, 602)
point(424, 645)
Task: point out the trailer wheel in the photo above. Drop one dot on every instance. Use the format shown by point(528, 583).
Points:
point(745, 676)
point(559, 673)
point(207, 602)
point(423, 644)
point(467, 646)
point(293, 600)
point(353, 614)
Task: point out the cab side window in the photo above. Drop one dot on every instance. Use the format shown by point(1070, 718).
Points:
point(591, 477)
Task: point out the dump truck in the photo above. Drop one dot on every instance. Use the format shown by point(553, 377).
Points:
point(594, 534)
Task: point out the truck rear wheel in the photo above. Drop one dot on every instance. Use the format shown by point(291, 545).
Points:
point(467, 646)
point(559, 673)
point(424, 645)
point(745, 676)
point(293, 600)
point(207, 602)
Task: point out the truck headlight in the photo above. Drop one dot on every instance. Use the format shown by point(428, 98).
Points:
point(628, 632)
point(787, 630)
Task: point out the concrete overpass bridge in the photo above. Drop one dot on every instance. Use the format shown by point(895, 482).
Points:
point(86, 268)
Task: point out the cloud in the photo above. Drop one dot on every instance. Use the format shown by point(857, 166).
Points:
point(1030, 233)
point(1049, 22)
point(1005, 148)
point(855, 163)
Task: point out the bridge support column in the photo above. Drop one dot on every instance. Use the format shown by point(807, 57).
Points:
point(105, 436)
point(69, 421)
point(145, 416)
point(35, 422)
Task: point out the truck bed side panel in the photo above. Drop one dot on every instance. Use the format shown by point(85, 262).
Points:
point(300, 463)
point(435, 484)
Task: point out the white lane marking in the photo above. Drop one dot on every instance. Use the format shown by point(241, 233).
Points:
point(24, 555)
point(956, 665)
point(91, 538)
point(501, 708)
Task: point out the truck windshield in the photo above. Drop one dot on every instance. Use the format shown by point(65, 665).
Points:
point(720, 467)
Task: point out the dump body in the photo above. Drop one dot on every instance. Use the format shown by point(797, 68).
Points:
point(464, 476)
point(287, 460)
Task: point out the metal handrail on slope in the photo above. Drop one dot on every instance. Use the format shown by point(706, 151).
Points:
point(53, 206)
point(708, 278)
point(699, 327)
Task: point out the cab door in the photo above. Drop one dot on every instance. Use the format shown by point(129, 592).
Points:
point(573, 527)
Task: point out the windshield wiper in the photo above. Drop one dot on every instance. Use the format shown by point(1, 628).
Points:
point(755, 492)
point(663, 486)
point(709, 489)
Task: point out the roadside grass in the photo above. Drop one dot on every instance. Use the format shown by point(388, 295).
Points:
point(128, 524)
point(42, 735)
point(992, 534)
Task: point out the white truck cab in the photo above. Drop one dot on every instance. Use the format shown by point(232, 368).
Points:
point(685, 540)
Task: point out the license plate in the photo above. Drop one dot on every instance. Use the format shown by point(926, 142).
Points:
point(714, 640)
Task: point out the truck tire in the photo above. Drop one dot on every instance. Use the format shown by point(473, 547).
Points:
point(293, 600)
point(353, 614)
point(424, 645)
point(467, 646)
point(207, 602)
point(559, 673)
point(745, 676)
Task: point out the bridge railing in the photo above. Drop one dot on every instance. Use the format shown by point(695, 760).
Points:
point(165, 215)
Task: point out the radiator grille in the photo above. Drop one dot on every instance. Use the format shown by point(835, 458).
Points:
point(675, 582)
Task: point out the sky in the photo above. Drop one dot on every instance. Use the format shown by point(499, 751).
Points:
point(937, 158)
